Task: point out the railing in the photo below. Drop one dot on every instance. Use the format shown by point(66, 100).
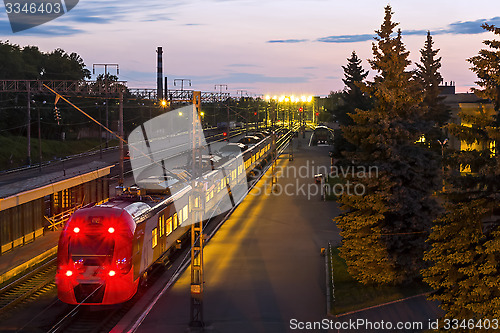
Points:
point(59, 219)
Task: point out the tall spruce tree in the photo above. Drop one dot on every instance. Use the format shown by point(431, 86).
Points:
point(429, 78)
point(352, 98)
point(384, 230)
point(465, 241)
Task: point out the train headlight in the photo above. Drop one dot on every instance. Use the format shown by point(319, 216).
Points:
point(111, 230)
point(76, 230)
point(111, 273)
point(69, 273)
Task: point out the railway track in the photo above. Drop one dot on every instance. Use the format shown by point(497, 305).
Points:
point(28, 286)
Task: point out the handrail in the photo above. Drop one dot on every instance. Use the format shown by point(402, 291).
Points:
point(61, 218)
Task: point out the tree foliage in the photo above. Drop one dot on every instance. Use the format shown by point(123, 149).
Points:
point(352, 98)
point(465, 253)
point(429, 78)
point(29, 63)
point(384, 230)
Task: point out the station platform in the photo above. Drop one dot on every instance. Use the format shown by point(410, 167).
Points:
point(24, 258)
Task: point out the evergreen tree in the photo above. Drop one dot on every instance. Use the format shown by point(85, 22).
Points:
point(465, 252)
point(429, 78)
point(352, 98)
point(384, 230)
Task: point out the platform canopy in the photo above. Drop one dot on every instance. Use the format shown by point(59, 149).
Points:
point(16, 189)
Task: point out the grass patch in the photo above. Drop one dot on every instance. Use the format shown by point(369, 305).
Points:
point(14, 149)
point(351, 295)
point(331, 182)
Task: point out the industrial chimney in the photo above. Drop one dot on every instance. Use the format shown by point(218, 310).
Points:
point(159, 74)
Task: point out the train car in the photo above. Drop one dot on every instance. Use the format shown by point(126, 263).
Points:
point(322, 135)
point(104, 250)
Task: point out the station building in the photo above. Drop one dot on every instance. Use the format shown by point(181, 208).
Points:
point(34, 201)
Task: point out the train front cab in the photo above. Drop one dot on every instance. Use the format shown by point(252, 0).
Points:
point(95, 257)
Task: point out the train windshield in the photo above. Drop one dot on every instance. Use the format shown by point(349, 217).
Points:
point(92, 251)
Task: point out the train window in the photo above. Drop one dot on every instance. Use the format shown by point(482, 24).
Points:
point(184, 213)
point(94, 250)
point(154, 238)
point(176, 219)
point(161, 224)
point(233, 174)
point(169, 226)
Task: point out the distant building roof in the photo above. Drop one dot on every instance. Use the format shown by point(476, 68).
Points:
point(461, 98)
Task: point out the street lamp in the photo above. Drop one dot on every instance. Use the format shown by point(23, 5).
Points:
point(442, 157)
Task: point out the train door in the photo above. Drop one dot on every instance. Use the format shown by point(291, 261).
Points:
point(137, 250)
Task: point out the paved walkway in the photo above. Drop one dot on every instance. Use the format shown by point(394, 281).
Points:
point(24, 257)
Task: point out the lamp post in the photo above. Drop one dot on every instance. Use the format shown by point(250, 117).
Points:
point(443, 144)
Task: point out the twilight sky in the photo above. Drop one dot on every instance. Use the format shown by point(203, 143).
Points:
point(264, 47)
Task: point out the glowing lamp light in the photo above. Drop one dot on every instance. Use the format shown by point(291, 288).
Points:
point(76, 230)
point(69, 273)
point(180, 113)
point(111, 273)
point(163, 103)
point(111, 230)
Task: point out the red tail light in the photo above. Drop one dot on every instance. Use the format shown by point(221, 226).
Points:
point(76, 230)
point(69, 273)
point(111, 273)
point(111, 230)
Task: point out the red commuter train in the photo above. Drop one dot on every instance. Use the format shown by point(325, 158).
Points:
point(105, 249)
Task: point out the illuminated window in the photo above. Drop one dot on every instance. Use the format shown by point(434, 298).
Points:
point(65, 199)
point(184, 213)
point(176, 219)
point(169, 226)
point(154, 238)
point(161, 224)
